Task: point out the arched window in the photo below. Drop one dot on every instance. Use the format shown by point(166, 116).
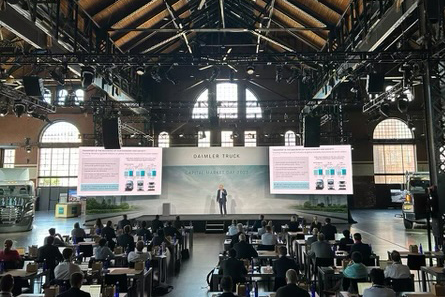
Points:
point(80, 96)
point(47, 96)
point(253, 109)
point(394, 151)
point(61, 97)
point(201, 107)
point(289, 138)
point(163, 139)
point(59, 155)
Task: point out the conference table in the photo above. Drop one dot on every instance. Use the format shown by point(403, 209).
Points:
point(31, 276)
point(262, 272)
point(262, 255)
point(437, 272)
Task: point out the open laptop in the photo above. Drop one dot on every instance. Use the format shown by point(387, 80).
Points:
point(362, 286)
point(94, 290)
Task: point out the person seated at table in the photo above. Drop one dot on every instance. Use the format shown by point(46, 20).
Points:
point(313, 238)
point(177, 223)
point(144, 232)
point(346, 242)
point(49, 254)
point(262, 230)
point(126, 240)
point(124, 222)
point(64, 270)
point(159, 238)
point(232, 230)
point(171, 231)
point(258, 223)
point(361, 247)
point(138, 255)
point(58, 240)
point(270, 223)
point(108, 233)
point(78, 234)
point(321, 248)
point(291, 289)
point(156, 224)
point(378, 288)
point(10, 257)
point(6, 285)
point(76, 280)
point(243, 249)
point(227, 287)
point(98, 226)
point(328, 230)
point(397, 270)
point(281, 266)
point(293, 224)
point(315, 224)
point(103, 252)
point(356, 269)
point(268, 238)
point(235, 238)
point(234, 268)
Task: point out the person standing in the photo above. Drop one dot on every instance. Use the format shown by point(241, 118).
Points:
point(221, 198)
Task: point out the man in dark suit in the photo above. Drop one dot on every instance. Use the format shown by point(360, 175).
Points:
point(108, 233)
point(328, 230)
point(234, 268)
point(124, 222)
point(291, 289)
point(315, 224)
point(156, 224)
point(144, 232)
point(169, 230)
point(221, 198)
point(361, 247)
point(281, 266)
point(76, 283)
point(346, 242)
point(126, 240)
point(257, 223)
point(227, 286)
point(243, 249)
point(49, 254)
point(235, 238)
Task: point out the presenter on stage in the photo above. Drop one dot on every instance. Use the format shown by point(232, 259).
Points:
point(221, 198)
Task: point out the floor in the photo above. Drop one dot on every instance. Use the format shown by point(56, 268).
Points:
point(381, 228)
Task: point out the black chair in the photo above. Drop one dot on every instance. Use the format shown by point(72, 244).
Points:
point(300, 236)
point(279, 282)
point(322, 262)
point(402, 284)
point(415, 262)
point(86, 250)
point(112, 279)
point(350, 284)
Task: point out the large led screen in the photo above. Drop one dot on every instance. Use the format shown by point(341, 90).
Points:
point(310, 170)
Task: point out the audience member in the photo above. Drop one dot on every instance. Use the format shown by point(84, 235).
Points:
point(258, 223)
point(346, 242)
point(293, 224)
point(144, 232)
point(108, 233)
point(281, 266)
point(313, 238)
point(321, 248)
point(397, 270)
point(361, 247)
point(76, 280)
point(10, 257)
point(160, 238)
point(291, 289)
point(103, 252)
point(378, 288)
point(234, 268)
point(262, 230)
point(138, 255)
point(78, 234)
point(50, 254)
point(328, 230)
point(58, 240)
point(177, 223)
point(232, 230)
point(268, 238)
point(235, 238)
point(356, 269)
point(98, 226)
point(156, 224)
point(124, 222)
point(64, 270)
point(243, 249)
point(315, 224)
point(6, 285)
point(171, 231)
point(126, 240)
point(227, 286)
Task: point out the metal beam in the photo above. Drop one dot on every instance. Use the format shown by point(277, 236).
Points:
point(285, 47)
point(178, 26)
point(269, 21)
point(201, 4)
point(162, 43)
point(221, 7)
point(211, 30)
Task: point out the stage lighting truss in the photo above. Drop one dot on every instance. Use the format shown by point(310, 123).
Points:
point(13, 96)
point(389, 95)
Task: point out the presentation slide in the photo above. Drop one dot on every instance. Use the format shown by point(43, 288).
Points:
point(307, 170)
point(126, 171)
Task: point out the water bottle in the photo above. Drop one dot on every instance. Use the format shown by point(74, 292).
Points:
point(174, 239)
point(147, 264)
point(116, 292)
point(256, 289)
point(74, 240)
point(420, 249)
point(334, 248)
point(247, 290)
point(2, 266)
point(313, 290)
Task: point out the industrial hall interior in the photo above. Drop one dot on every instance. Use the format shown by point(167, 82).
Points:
point(233, 148)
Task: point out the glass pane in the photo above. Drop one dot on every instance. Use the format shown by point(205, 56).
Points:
point(227, 99)
point(290, 139)
point(392, 129)
point(163, 139)
point(201, 107)
point(253, 109)
point(250, 138)
point(204, 139)
point(226, 138)
point(61, 132)
point(395, 159)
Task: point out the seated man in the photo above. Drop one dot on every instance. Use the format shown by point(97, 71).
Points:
point(361, 247)
point(171, 231)
point(328, 230)
point(103, 252)
point(126, 240)
point(139, 255)
point(50, 254)
point(124, 222)
point(291, 289)
point(321, 248)
point(232, 229)
point(78, 234)
point(281, 266)
point(64, 270)
point(144, 232)
point(397, 270)
point(258, 223)
point(234, 268)
point(10, 257)
point(156, 224)
point(356, 269)
point(76, 283)
point(235, 238)
point(346, 242)
point(378, 288)
point(268, 238)
point(243, 249)
point(108, 233)
point(58, 240)
point(262, 230)
point(313, 238)
point(6, 285)
point(293, 224)
point(315, 224)
point(227, 286)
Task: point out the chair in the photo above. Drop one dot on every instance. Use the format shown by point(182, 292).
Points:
point(86, 250)
point(350, 284)
point(322, 262)
point(402, 284)
point(112, 279)
point(415, 262)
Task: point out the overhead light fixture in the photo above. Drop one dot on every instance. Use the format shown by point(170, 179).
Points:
point(58, 74)
point(140, 70)
point(28, 145)
point(250, 69)
point(19, 109)
point(205, 67)
point(403, 103)
point(87, 76)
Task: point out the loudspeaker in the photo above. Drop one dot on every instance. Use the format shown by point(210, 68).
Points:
point(111, 133)
point(311, 127)
point(375, 83)
point(33, 86)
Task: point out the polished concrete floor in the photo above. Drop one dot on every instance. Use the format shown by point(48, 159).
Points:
point(381, 228)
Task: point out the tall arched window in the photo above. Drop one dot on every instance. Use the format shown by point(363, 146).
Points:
point(394, 151)
point(59, 155)
point(61, 97)
point(163, 139)
point(289, 138)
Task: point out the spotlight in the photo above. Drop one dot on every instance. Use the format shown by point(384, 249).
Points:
point(402, 103)
point(28, 149)
point(215, 73)
point(140, 70)
point(19, 109)
point(87, 76)
point(250, 69)
point(4, 110)
point(58, 74)
point(30, 109)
